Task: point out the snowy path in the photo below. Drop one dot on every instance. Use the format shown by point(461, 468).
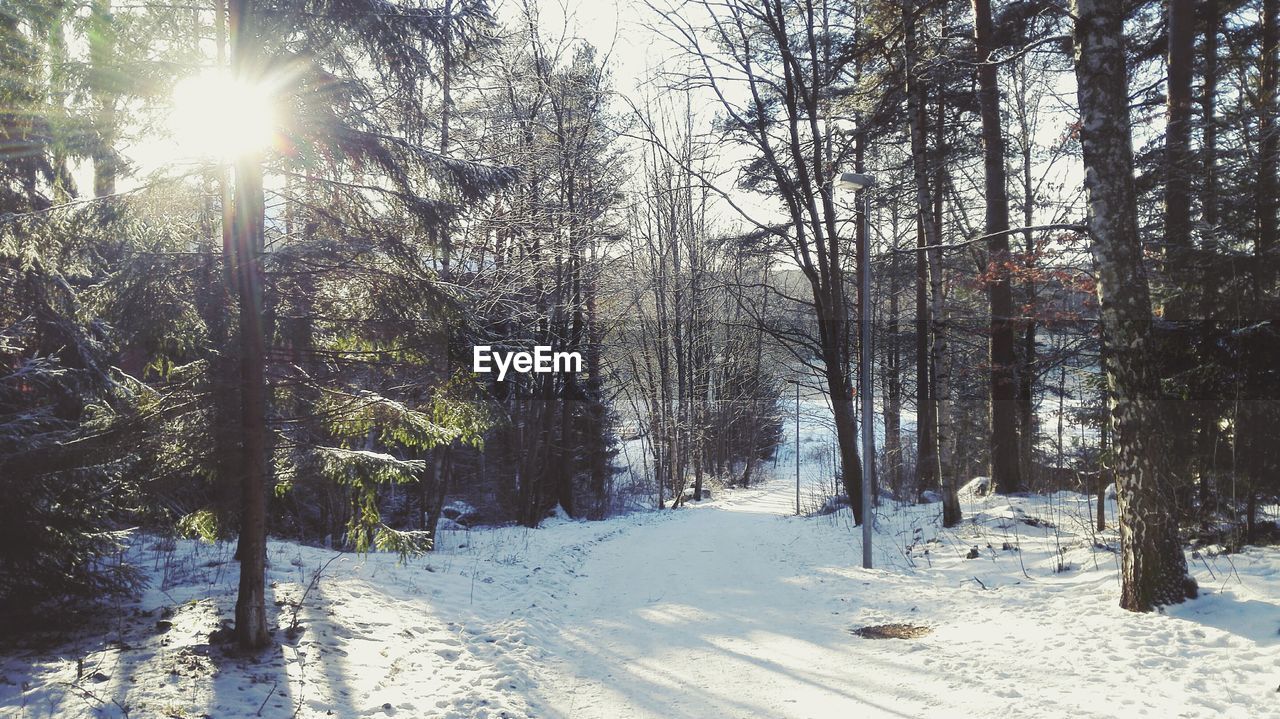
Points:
point(738, 610)
point(715, 612)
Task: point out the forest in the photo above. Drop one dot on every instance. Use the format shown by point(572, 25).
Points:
point(918, 314)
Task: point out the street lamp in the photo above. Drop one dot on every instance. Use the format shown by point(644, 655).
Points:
point(797, 448)
point(856, 181)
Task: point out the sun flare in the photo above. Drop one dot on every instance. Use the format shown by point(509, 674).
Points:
point(217, 116)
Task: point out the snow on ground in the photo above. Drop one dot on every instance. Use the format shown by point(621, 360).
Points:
point(733, 608)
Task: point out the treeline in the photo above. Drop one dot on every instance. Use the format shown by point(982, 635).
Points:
point(242, 341)
point(1074, 214)
point(278, 340)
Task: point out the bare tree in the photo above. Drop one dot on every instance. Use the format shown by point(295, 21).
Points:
point(769, 68)
point(694, 320)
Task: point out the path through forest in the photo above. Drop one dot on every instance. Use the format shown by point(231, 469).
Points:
point(720, 611)
point(737, 609)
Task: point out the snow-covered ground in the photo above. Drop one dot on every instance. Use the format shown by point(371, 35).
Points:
point(730, 609)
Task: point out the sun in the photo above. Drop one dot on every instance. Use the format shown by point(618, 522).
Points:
point(216, 116)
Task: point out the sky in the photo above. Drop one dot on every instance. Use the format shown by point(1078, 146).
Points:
point(624, 34)
point(618, 29)
point(628, 33)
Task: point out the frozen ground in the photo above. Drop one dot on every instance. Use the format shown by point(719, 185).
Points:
point(730, 609)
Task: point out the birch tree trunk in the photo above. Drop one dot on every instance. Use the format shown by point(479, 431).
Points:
point(1153, 568)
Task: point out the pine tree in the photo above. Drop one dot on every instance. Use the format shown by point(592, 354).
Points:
point(1005, 455)
point(67, 479)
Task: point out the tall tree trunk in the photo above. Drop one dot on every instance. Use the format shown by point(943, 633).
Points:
point(939, 349)
point(1268, 151)
point(1253, 424)
point(446, 112)
point(918, 120)
point(224, 368)
point(597, 464)
point(1005, 460)
point(1178, 168)
point(1208, 434)
point(1178, 159)
point(251, 613)
point(926, 437)
point(63, 184)
point(213, 301)
point(1153, 568)
point(105, 89)
point(893, 369)
point(1027, 369)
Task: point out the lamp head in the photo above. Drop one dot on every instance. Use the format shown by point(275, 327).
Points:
point(855, 181)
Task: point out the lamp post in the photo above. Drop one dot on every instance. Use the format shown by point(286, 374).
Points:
point(857, 181)
point(797, 448)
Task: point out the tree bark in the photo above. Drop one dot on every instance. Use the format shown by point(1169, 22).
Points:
point(1153, 567)
point(1006, 475)
point(62, 183)
point(1209, 433)
point(1178, 168)
point(927, 476)
point(1177, 149)
point(1268, 151)
point(598, 459)
point(926, 438)
point(105, 90)
point(247, 237)
point(446, 109)
point(925, 201)
point(939, 348)
point(893, 370)
point(1027, 368)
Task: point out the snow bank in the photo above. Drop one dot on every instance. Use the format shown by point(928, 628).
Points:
point(731, 607)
